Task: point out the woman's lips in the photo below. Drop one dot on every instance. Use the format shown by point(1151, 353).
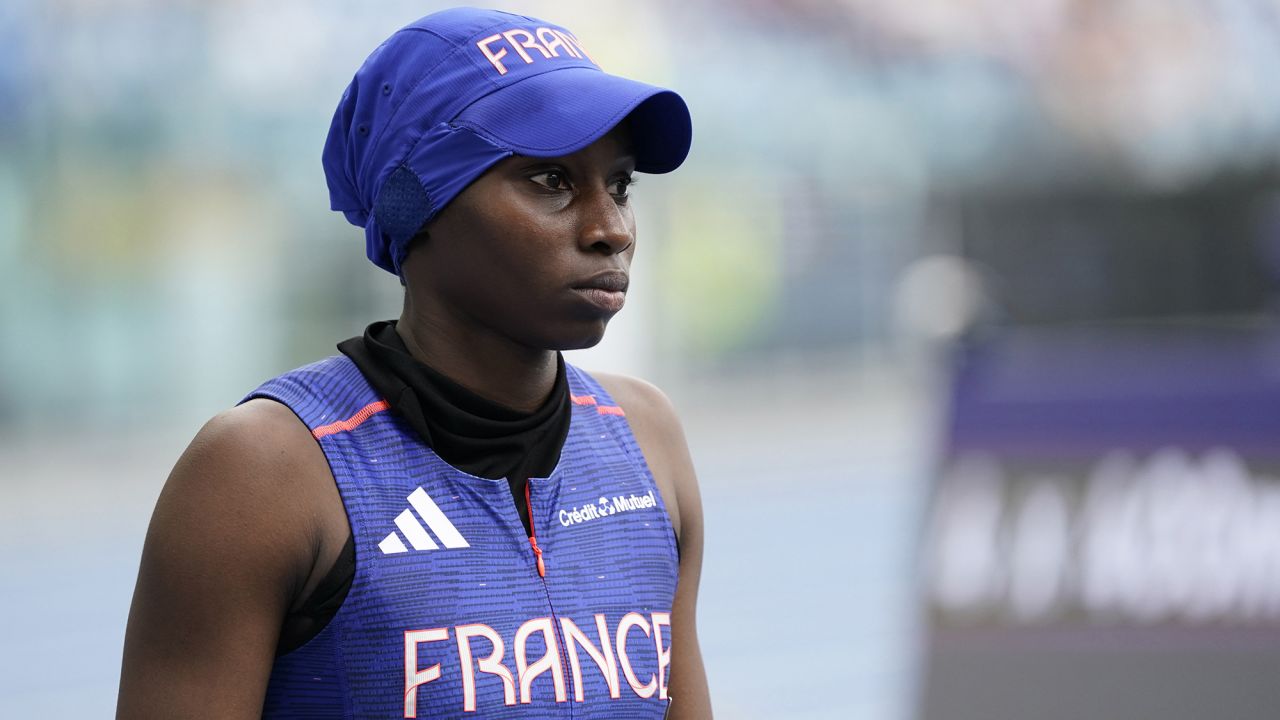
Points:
point(607, 291)
point(607, 300)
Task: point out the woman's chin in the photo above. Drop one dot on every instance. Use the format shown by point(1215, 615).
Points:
point(582, 338)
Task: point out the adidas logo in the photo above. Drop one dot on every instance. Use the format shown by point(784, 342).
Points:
point(416, 533)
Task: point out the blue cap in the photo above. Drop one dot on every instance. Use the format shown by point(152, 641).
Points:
point(446, 97)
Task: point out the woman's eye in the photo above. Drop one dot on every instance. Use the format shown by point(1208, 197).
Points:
point(552, 180)
point(621, 187)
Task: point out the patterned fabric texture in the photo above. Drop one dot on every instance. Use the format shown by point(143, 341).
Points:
point(454, 612)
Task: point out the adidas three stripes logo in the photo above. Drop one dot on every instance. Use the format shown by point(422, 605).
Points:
point(416, 534)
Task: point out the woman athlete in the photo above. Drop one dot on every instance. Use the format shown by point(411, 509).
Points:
point(446, 520)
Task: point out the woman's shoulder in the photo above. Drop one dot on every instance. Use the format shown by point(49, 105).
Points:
point(657, 429)
point(650, 413)
point(253, 462)
point(259, 433)
point(642, 400)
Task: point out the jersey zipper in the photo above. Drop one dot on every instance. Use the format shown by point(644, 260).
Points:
point(555, 620)
point(533, 537)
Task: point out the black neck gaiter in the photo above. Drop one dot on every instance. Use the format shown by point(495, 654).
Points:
point(467, 431)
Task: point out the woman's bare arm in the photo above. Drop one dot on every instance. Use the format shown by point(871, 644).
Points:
point(237, 535)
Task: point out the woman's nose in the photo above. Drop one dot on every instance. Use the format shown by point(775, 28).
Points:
point(607, 226)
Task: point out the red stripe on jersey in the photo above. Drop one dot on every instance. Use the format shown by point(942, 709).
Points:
point(352, 422)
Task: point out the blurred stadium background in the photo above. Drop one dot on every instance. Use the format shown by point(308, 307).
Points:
point(969, 307)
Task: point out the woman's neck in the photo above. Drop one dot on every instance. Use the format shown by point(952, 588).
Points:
point(486, 363)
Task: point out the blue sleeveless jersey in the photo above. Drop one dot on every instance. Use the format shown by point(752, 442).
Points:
point(454, 612)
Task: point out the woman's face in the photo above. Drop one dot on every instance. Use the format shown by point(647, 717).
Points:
point(537, 250)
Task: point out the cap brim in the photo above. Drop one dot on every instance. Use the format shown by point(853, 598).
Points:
point(563, 111)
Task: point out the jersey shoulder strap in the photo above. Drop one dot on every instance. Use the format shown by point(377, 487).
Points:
point(326, 395)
